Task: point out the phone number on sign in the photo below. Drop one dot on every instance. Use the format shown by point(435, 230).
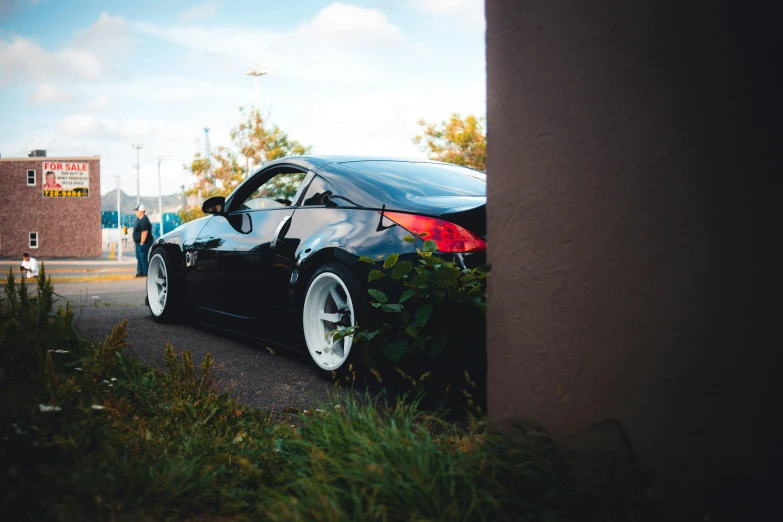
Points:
point(65, 193)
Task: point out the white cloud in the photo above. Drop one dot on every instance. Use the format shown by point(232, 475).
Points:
point(49, 93)
point(109, 37)
point(91, 56)
point(85, 126)
point(98, 102)
point(22, 60)
point(469, 12)
point(347, 23)
point(340, 43)
point(199, 11)
point(383, 121)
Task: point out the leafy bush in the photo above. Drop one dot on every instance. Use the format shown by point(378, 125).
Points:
point(434, 337)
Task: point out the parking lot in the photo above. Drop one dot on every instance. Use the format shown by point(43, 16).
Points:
point(244, 367)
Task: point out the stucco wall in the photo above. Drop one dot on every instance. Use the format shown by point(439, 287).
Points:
point(67, 227)
point(624, 140)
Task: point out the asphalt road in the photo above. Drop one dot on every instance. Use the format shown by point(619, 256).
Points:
point(244, 368)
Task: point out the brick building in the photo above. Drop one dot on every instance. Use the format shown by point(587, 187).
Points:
point(51, 206)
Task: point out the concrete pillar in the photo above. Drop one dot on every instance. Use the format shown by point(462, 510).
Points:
point(629, 147)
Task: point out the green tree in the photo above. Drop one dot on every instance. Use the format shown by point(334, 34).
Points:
point(256, 140)
point(259, 142)
point(458, 141)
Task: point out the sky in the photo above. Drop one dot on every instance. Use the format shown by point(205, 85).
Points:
point(88, 77)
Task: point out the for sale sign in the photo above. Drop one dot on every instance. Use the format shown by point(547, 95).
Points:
point(66, 179)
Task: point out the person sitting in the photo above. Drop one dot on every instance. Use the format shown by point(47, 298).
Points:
point(29, 266)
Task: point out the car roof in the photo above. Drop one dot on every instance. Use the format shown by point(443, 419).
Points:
point(318, 161)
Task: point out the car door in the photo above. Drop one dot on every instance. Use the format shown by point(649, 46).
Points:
point(233, 259)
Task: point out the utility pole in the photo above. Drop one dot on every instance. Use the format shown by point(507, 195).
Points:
point(137, 146)
point(207, 150)
point(119, 221)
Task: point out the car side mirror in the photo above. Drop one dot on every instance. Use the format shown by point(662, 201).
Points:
point(214, 205)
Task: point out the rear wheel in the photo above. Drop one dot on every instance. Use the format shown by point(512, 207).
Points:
point(162, 293)
point(332, 300)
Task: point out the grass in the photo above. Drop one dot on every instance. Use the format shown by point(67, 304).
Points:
point(87, 433)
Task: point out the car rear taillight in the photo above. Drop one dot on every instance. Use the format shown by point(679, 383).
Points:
point(449, 237)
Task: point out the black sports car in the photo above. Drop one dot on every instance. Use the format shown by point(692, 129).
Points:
point(278, 259)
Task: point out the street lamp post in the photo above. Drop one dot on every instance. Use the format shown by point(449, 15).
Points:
point(255, 71)
point(137, 146)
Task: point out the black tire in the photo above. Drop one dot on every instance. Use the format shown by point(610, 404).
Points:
point(352, 363)
point(170, 309)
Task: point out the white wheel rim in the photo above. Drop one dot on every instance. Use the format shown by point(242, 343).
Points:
point(327, 305)
point(157, 285)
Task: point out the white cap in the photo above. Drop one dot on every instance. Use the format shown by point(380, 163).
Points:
point(140, 207)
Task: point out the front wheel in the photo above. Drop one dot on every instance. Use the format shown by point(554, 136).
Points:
point(161, 294)
point(332, 300)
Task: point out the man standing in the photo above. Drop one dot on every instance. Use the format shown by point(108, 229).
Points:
point(29, 266)
point(142, 236)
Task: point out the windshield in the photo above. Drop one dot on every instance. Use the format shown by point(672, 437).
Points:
point(424, 179)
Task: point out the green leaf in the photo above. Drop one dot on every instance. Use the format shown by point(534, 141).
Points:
point(429, 246)
point(391, 308)
point(367, 260)
point(370, 335)
point(409, 239)
point(437, 342)
point(401, 269)
point(423, 314)
point(378, 295)
point(391, 261)
point(419, 279)
point(396, 350)
point(375, 274)
point(407, 294)
point(446, 273)
point(412, 331)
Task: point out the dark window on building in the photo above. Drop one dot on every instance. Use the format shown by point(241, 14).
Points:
point(31, 178)
point(319, 193)
point(33, 239)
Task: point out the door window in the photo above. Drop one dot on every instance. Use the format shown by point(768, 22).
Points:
point(280, 191)
point(318, 194)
